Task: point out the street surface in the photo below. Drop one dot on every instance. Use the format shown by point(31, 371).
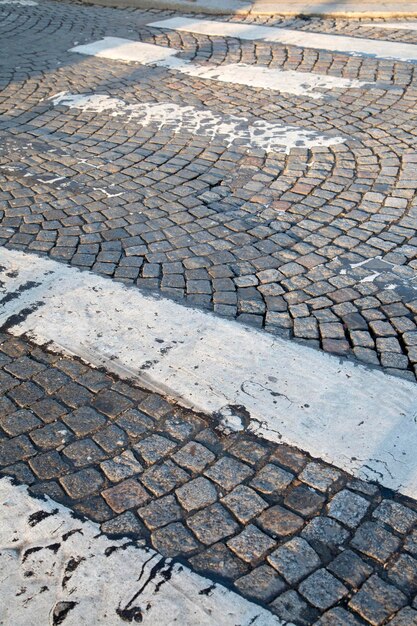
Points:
point(208, 341)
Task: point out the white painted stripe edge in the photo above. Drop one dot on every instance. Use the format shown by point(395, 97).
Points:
point(360, 420)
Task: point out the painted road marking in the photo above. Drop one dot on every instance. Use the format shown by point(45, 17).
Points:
point(287, 36)
point(104, 586)
point(296, 83)
point(393, 25)
point(126, 50)
point(25, 3)
point(356, 418)
point(201, 122)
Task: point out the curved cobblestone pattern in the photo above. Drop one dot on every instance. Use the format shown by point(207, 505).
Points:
point(291, 533)
point(318, 244)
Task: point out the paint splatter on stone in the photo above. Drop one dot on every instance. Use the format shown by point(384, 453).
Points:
point(231, 129)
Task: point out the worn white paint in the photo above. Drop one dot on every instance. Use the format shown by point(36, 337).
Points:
point(356, 418)
point(287, 81)
point(77, 570)
point(125, 50)
point(201, 122)
point(392, 25)
point(334, 43)
point(24, 3)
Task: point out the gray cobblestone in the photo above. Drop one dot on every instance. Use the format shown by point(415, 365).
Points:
point(268, 521)
point(125, 495)
point(348, 508)
point(251, 545)
point(121, 467)
point(228, 472)
point(291, 607)
point(212, 524)
point(244, 503)
point(294, 560)
point(218, 560)
point(174, 540)
point(374, 541)
point(197, 494)
point(262, 584)
point(350, 568)
point(376, 601)
point(322, 589)
point(399, 517)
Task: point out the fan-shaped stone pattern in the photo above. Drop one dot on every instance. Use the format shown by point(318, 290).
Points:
point(318, 244)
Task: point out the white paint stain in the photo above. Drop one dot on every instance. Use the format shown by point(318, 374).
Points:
point(24, 3)
point(51, 181)
point(358, 419)
point(371, 278)
point(107, 193)
point(201, 122)
point(288, 81)
point(360, 263)
point(100, 579)
point(393, 25)
point(304, 39)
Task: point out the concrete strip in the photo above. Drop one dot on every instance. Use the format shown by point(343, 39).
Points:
point(359, 419)
point(201, 122)
point(393, 25)
point(352, 9)
point(296, 83)
point(304, 39)
point(55, 567)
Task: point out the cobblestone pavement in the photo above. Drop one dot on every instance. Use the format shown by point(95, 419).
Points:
point(318, 244)
point(291, 533)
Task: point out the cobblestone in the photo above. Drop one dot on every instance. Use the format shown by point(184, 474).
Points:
point(262, 584)
point(376, 601)
point(376, 542)
point(322, 589)
point(174, 540)
point(244, 503)
point(121, 467)
point(125, 495)
point(251, 545)
point(212, 524)
point(123, 525)
point(218, 560)
point(395, 515)
point(348, 508)
point(236, 508)
point(197, 494)
point(294, 560)
point(318, 243)
point(279, 522)
point(291, 606)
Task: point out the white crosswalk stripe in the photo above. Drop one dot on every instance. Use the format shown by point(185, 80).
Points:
point(291, 82)
point(202, 122)
point(393, 25)
point(304, 39)
point(358, 419)
point(106, 577)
